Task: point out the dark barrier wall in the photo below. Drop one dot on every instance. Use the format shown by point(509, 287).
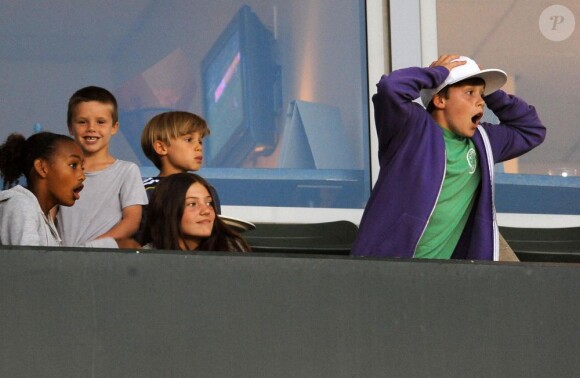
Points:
point(114, 314)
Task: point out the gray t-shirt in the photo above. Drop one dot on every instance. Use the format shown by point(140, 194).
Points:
point(105, 195)
point(22, 222)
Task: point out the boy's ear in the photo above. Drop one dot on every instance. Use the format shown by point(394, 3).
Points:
point(40, 167)
point(160, 148)
point(439, 101)
point(115, 128)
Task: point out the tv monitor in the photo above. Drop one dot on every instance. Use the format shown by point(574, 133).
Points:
point(240, 79)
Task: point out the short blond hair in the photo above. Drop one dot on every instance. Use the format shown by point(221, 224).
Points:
point(167, 126)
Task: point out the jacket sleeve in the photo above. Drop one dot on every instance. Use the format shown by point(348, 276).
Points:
point(20, 225)
point(519, 130)
point(395, 109)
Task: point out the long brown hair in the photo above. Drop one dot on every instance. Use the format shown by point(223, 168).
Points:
point(165, 211)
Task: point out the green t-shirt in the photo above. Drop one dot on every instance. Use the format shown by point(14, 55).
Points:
point(462, 177)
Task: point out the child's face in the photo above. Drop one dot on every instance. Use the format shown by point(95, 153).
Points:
point(65, 174)
point(92, 126)
point(198, 216)
point(185, 153)
point(463, 109)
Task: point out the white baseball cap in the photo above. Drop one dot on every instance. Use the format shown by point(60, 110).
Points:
point(494, 78)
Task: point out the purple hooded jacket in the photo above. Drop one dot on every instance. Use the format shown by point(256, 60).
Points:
point(412, 167)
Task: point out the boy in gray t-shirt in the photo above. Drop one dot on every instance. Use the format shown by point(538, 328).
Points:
point(111, 202)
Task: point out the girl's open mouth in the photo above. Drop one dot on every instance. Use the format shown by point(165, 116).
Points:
point(76, 192)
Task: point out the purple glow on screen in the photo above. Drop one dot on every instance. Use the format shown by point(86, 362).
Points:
point(225, 80)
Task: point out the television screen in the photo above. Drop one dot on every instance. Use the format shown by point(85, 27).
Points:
point(224, 94)
point(239, 80)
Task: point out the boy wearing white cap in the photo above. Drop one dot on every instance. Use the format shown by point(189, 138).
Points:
point(434, 194)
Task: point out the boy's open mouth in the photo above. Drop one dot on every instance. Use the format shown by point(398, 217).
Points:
point(476, 118)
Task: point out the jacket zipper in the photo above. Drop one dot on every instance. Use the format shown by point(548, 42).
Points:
point(490, 166)
point(434, 205)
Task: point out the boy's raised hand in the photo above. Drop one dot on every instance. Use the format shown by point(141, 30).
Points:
point(448, 62)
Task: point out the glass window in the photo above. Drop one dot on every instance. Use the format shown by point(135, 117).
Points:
point(538, 45)
point(282, 84)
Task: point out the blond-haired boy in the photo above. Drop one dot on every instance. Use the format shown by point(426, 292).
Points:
point(173, 141)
